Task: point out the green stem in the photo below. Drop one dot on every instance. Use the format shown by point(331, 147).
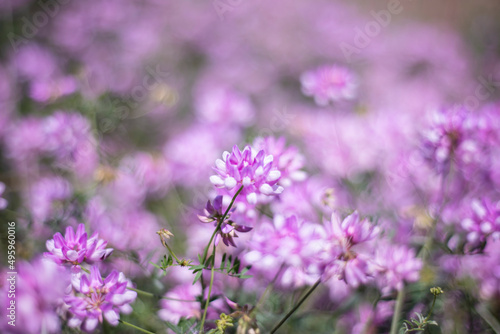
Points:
point(212, 271)
point(205, 252)
point(483, 311)
point(135, 327)
point(171, 252)
point(430, 311)
point(397, 311)
point(268, 288)
point(149, 294)
point(285, 318)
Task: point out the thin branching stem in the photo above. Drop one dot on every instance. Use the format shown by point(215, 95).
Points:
point(397, 312)
point(136, 327)
point(205, 252)
point(302, 300)
point(149, 294)
point(209, 293)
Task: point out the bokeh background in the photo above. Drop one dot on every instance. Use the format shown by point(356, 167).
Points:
point(112, 114)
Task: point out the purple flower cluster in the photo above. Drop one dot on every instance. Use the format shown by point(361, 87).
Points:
point(329, 83)
point(251, 169)
point(114, 112)
point(76, 248)
point(96, 299)
point(482, 220)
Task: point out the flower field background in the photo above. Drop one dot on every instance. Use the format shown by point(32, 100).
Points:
point(237, 166)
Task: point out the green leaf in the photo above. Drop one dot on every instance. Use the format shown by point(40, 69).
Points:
point(223, 261)
point(245, 276)
point(197, 276)
point(170, 260)
point(197, 267)
point(155, 265)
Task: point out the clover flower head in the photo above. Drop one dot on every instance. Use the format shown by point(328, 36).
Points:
point(352, 230)
point(342, 256)
point(330, 83)
point(483, 220)
point(287, 160)
point(249, 168)
point(396, 265)
point(97, 299)
point(76, 248)
point(453, 135)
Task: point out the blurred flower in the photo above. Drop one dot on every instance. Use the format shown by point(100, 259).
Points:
point(286, 159)
point(249, 168)
point(453, 136)
point(40, 287)
point(96, 299)
point(343, 255)
point(184, 307)
point(76, 248)
point(396, 265)
point(3, 201)
point(329, 83)
point(483, 220)
point(68, 137)
point(44, 195)
point(350, 231)
point(288, 242)
point(225, 106)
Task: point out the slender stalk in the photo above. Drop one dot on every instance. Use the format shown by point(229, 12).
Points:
point(483, 311)
point(397, 311)
point(268, 288)
point(205, 252)
point(135, 327)
point(285, 318)
point(171, 252)
point(149, 294)
point(432, 307)
point(212, 271)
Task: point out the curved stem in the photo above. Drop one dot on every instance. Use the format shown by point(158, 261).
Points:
point(205, 252)
point(285, 318)
point(171, 252)
point(149, 294)
point(212, 271)
point(135, 327)
point(430, 311)
point(397, 312)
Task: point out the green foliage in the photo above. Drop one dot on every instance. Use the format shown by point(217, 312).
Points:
point(185, 326)
point(229, 266)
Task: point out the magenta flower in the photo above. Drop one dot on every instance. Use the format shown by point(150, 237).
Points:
point(287, 160)
point(453, 136)
point(76, 248)
point(343, 256)
point(249, 168)
point(227, 232)
point(96, 299)
point(483, 220)
point(396, 265)
point(40, 289)
point(289, 242)
point(3, 201)
point(173, 310)
point(221, 105)
point(329, 83)
point(350, 231)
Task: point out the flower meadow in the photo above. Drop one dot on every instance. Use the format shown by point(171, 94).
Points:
point(234, 166)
